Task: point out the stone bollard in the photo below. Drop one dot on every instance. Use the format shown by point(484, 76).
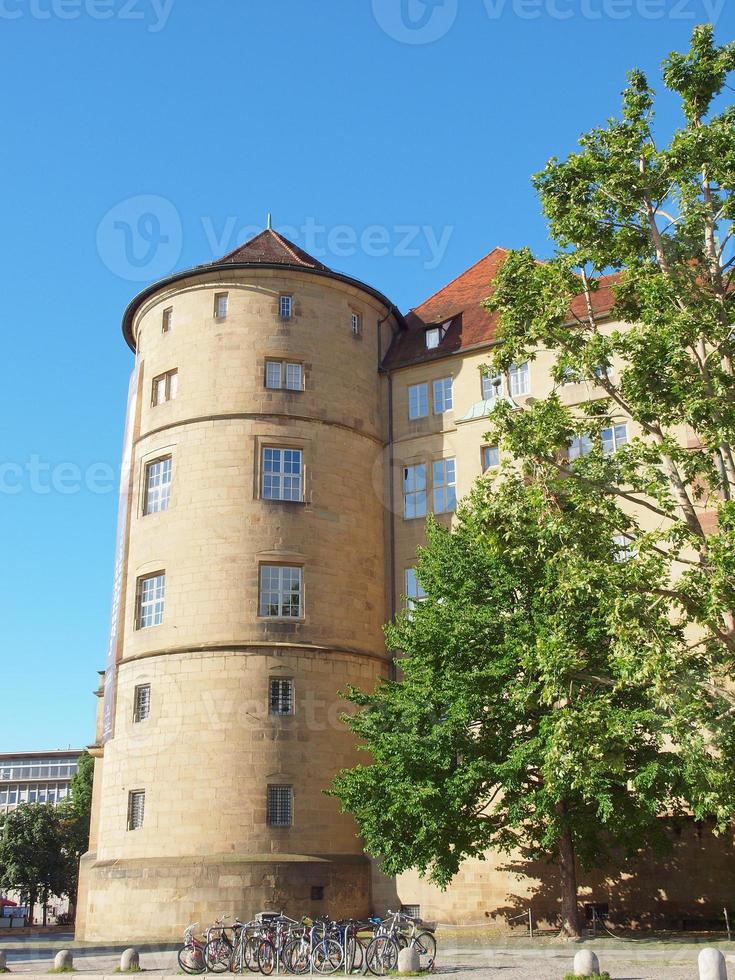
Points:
point(408, 960)
point(130, 960)
point(3, 961)
point(63, 960)
point(586, 964)
point(712, 965)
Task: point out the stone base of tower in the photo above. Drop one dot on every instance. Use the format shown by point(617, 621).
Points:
point(155, 899)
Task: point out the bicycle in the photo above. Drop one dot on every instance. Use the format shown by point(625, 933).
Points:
point(191, 955)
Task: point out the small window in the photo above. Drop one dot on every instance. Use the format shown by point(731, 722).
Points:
point(442, 395)
point(317, 893)
point(520, 379)
point(281, 696)
point(603, 371)
point(142, 702)
point(433, 338)
point(280, 806)
point(490, 458)
point(445, 486)
point(221, 305)
point(281, 592)
point(284, 374)
point(150, 600)
point(165, 387)
point(613, 438)
point(492, 386)
point(282, 472)
point(415, 592)
point(570, 376)
point(356, 322)
point(167, 320)
point(285, 307)
point(580, 446)
point(418, 401)
point(157, 485)
point(414, 491)
point(624, 547)
point(136, 809)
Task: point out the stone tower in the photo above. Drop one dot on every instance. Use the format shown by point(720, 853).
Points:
point(250, 590)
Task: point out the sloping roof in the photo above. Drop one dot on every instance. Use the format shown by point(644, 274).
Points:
point(459, 306)
point(270, 248)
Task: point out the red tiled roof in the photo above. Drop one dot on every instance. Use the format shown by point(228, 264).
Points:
point(460, 304)
point(270, 248)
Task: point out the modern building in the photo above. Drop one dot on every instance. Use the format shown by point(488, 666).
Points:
point(288, 429)
point(36, 777)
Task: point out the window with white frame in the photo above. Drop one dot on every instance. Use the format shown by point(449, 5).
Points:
point(165, 387)
point(157, 485)
point(356, 324)
point(142, 707)
point(136, 809)
point(519, 378)
point(415, 592)
point(281, 696)
point(433, 338)
point(282, 473)
point(624, 547)
point(284, 374)
point(492, 385)
point(280, 806)
point(285, 307)
point(150, 600)
point(167, 319)
point(221, 305)
point(490, 457)
point(570, 376)
point(281, 591)
point(444, 485)
point(418, 401)
point(603, 371)
point(414, 491)
point(613, 438)
point(442, 395)
point(580, 446)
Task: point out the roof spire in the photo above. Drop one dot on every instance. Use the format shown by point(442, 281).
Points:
point(270, 221)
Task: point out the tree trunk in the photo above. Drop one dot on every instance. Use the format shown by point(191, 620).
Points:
point(32, 896)
point(44, 912)
point(568, 870)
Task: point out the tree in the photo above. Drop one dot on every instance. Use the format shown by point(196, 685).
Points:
point(32, 859)
point(75, 814)
point(658, 219)
point(545, 702)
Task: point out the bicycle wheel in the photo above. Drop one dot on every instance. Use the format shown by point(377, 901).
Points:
point(191, 959)
point(327, 956)
point(425, 945)
point(267, 957)
point(217, 955)
point(382, 955)
point(355, 955)
point(297, 956)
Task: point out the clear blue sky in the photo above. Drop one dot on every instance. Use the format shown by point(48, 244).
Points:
point(326, 112)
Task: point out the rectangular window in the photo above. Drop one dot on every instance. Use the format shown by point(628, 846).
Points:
point(167, 319)
point(433, 338)
point(520, 379)
point(613, 438)
point(414, 491)
point(580, 446)
point(624, 547)
point(221, 305)
point(151, 592)
point(356, 322)
point(492, 386)
point(282, 474)
point(490, 457)
point(281, 591)
point(444, 486)
point(294, 377)
point(285, 307)
point(442, 395)
point(142, 702)
point(570, 376)
point(157, 485)
point(414, 590)
point(165, 387)
point(418, 401)
point(136, 809)
point(280, 806)
point(284, 374)
point(603, 371)
point(281, 696)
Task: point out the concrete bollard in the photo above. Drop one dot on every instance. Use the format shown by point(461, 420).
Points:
point(712, 965)
point(64, 960)
point(130, 960)
point(408, 960)
point(586, 964)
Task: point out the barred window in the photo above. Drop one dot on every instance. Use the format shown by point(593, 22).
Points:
point(414, 491)
point(165, 387)
point(280, 806)
point(282, 474)
point(520, 379)
point(167, 319)
point(285, 307)
point(442, 395)
point(445, 486)
point(418, 401)
point(150, 599)
point(142, 702)
point(157, 485)
point(281, 696)
point(221, 305)
point(281, 591)
point(136, 809)
point(490, 457)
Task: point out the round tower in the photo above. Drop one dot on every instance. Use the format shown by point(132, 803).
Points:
point(250, 591)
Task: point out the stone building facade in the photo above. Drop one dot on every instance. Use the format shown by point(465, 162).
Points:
point(288, 429)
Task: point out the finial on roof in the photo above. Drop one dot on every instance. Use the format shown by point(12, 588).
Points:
point(270, 221)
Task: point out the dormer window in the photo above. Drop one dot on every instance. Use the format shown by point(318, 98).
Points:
point(435, 335)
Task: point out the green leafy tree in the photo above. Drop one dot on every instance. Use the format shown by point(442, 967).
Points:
point(545, 702)
point(659, 215)
point(75, 814)
point(32, 857)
